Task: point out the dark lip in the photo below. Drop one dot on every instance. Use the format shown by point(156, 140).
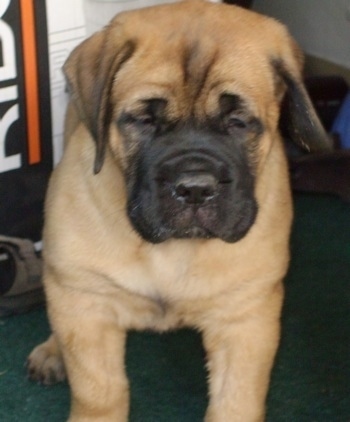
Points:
point(194, 232)
point(196, 226)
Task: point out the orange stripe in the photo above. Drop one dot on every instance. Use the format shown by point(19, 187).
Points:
point(31, 80)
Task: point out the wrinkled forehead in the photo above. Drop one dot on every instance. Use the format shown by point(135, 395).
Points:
point(188, 59)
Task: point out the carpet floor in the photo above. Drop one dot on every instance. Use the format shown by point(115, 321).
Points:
point(311, 377)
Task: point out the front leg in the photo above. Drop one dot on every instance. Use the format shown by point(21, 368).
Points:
point(93, 348)
point(240, 357)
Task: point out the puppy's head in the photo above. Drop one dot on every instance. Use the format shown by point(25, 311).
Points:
point(187, 97)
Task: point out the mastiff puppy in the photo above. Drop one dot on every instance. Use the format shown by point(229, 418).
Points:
point(171, 206)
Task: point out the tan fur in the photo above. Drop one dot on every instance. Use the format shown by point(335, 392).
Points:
point(102, 279)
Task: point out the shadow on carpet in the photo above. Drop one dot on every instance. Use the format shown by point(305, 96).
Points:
point(311, 378)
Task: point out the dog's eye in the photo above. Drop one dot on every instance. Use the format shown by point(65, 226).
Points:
point(142, 120)
point(235, 123)
point(144, 123)
point(145, 120)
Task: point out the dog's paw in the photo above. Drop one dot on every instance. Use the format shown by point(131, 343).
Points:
point(45, 364)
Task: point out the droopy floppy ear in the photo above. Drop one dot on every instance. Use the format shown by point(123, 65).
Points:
point(298, 115)
point(90, 70)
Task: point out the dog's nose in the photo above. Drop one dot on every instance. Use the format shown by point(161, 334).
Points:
point(196, 188)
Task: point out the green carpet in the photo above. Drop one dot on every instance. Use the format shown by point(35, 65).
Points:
point(311, 378)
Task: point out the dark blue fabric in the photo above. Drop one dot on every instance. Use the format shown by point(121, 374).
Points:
point(341, 124)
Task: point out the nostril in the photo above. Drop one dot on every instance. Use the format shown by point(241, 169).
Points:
point(195, 188)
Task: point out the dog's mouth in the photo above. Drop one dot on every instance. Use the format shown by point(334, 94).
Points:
point(211, 221)
point(193, 221)
point(193, 205)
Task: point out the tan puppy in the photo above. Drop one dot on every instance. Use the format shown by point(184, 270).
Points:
point(171, 206)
